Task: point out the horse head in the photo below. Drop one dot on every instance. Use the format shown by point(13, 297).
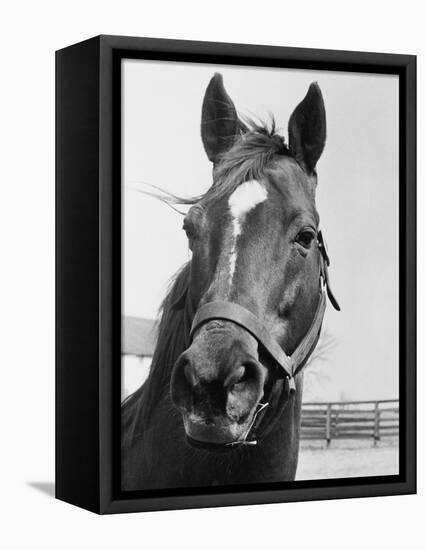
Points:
point(256, 253)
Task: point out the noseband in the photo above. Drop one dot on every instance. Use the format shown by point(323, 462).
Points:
point(291, 365)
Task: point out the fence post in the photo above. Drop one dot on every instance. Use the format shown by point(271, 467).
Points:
point(336, 423)
point(328, 424)
point(376, 422)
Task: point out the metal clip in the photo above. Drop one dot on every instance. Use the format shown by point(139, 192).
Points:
point(244, 441)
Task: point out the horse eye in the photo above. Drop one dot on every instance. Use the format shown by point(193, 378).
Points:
point(305, 238)
point(189, 229)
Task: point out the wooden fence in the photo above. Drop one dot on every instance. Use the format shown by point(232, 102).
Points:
point(350, 420)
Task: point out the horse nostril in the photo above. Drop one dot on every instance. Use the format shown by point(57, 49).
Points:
point(183, 380)
point(244, 376)
point(244, 390)
point(190, 374)
point(235, 377)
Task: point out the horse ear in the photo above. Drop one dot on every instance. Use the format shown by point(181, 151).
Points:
point(307, 129)
point(219, 119)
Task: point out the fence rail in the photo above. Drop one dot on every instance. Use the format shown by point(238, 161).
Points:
point(350, 420)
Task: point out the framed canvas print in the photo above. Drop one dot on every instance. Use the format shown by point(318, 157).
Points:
point(235, 274)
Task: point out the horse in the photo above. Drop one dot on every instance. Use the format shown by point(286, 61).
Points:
point(222, 402)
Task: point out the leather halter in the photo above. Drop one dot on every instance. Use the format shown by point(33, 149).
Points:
point(292, 364)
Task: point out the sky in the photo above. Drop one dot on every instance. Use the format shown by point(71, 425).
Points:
point(357, 198)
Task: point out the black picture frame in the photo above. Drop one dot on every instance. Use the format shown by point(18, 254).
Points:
point(88, 271)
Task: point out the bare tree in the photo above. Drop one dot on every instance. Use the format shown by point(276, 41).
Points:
point(316, 373)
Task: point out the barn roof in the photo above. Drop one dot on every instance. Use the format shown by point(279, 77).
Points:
point(138, 336)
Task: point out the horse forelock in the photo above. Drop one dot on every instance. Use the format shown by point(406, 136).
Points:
point(253, 152)
point(248, 159)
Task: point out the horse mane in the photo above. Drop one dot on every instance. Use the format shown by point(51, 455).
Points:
point(173, 338)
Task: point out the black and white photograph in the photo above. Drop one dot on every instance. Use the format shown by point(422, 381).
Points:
point(259, 275)
point(212, 264)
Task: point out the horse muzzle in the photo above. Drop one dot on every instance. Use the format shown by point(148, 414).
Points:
point(217, 384)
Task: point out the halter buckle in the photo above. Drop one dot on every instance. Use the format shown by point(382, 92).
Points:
point(291, 384)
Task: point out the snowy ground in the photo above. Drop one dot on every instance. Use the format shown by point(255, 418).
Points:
point(347, 458)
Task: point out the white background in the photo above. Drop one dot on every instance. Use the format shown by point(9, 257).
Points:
point(30, 32)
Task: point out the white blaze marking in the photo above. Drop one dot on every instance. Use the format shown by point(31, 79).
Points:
point(248, 195)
